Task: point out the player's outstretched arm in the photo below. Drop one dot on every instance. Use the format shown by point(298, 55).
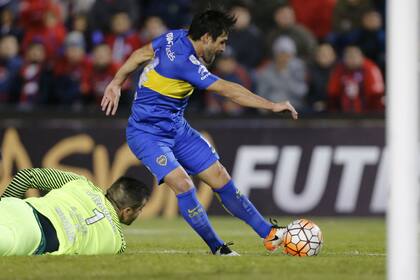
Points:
point(111, 97)
point(38, 178)
point(244, 97)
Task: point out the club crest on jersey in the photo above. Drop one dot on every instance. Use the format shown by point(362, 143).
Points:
point(162, 160)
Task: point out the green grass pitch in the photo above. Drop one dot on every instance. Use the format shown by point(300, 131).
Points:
point(169, 249)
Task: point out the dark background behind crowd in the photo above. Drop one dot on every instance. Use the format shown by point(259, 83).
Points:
point(325, 56)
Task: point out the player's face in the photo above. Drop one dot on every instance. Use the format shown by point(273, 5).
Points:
point(129, 215)
point(214, 48)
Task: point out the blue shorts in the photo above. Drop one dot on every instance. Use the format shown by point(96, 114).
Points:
point(163, 153)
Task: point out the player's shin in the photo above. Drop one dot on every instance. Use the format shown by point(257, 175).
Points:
point(239, 206)
point(194, 213)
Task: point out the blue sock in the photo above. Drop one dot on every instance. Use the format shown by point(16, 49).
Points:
point(239, 206)
point(196, 216)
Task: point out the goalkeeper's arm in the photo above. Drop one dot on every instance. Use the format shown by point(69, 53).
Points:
point(45, 179)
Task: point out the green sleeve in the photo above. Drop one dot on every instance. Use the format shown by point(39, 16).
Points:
point(45, 179)
point(123, 246)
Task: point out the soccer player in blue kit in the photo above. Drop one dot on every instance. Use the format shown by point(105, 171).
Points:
point(162, 139)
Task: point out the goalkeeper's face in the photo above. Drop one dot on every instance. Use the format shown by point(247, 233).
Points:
point(128, 215)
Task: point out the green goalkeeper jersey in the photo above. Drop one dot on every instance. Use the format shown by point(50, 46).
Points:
point(84, 219)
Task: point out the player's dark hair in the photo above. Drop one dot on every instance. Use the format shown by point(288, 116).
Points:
point(128, 192)
point(214, 22)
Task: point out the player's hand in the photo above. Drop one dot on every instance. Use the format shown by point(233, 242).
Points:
point(111, 98)
point(285, 106)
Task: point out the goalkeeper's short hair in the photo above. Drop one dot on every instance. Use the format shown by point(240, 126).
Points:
point(128, 192)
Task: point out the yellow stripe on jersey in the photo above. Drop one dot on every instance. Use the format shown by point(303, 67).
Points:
point(166, 86)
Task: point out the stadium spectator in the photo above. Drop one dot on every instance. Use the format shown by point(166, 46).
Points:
point(370, 37)
point(347, 14)
point(122, 39)
point(245, 38)
point(228, 68)
point(153, 27)
point(45, 26)
point(379, 5)
point(99, 73)
point(316, 15)
point(8, 24)
point(356, 85)
point(176, 13)
point(285, 25)
point(284, 78)
point(31, 14)
point(319, 71)
point(72, 8)
point(348, 22)
point(34, 80)
point(69, 71)
point(10, 64)
point(102, 10)
point(40, 225)
point(80, 24)
point(13, 5)
point(354, 22)
point(263, 15)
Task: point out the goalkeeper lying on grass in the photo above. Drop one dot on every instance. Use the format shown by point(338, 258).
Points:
point(75, 217)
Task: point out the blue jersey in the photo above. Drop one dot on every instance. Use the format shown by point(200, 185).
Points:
point(157, 132)
point(167, 82)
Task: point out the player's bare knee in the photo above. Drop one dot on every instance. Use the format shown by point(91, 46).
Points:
point(180, 184)
point(222, 173)
point(220, 176)
point(183, 185)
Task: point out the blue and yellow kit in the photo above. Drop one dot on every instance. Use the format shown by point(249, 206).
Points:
point(157, 132)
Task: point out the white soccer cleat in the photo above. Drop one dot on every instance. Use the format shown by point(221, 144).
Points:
point(225, 251)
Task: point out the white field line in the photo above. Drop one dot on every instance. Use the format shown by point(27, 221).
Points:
point(139, 231)
point(171, 252)
point(356, 253)
point(250, 253)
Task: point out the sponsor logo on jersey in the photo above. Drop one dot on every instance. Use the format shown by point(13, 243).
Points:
point(162, 160)
point(169, 44)
point(202, 70)
point(194, 60)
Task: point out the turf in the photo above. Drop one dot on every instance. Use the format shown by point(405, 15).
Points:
point(169, 249)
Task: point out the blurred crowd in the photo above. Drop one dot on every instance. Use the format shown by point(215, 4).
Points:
point(322, 55)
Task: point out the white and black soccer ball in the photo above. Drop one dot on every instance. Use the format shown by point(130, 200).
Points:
point(303, 238)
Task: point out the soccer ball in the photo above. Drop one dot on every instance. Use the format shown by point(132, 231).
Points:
point(303, 238)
